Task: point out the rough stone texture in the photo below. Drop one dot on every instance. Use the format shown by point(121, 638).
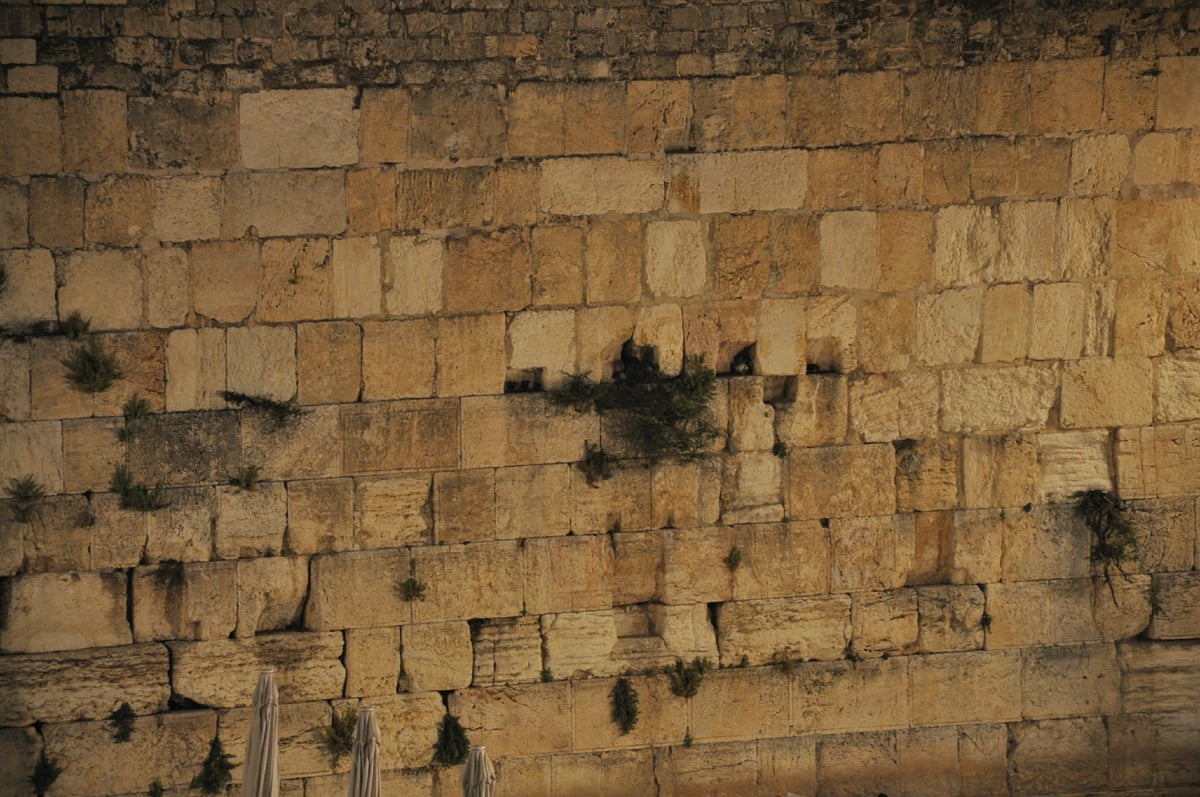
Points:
point(1103, 392)
point(54, 611)
point(595, 186)
point(298, 129)
point(436, 656)
point(794, 628)
point(307, 667)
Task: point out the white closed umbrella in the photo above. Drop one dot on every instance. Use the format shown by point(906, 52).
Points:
point(364, 756)
point(479, 778)
point(261, 773)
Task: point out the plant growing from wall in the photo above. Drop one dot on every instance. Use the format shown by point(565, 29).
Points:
point(247, 478)
point(156, 788)
point(26, 495)
point(75, 326)
point(624, 699)
point(452, 745)
point(215, 772)
point(1114, 537)
point(659, 416)
point(733, 559)
point(134, 410)
point(280, 412)
point(596, 464)
point(685, 679)
point(136, 495)
point(338, 735)
point(121, 721)
point(91, 368)
point(412, 589)
point(45, 771)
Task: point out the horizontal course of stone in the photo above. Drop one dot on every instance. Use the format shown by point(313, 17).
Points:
point(960, 248)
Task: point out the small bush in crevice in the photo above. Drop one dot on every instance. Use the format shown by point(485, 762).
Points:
point(1114, 537)
point(685, 679)
point(624, 699)
point(136, 495)
point(452, 745)
point(783, 661)
point(412, 589)
point(338, 735)
point(26, 495)
point(851, 653)
point(134, 410)
point(91, 368)
point(596, 464)
point(75, 326)
point(156, 788)
point(733, 559)
point(280, 412)
point(215, 772)
point(121, 721)
point(45, 772)
point(247, 478)
point(547, 675)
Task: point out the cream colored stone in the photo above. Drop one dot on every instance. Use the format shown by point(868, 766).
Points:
point(1086, 236)
point(620, 503)
point(104, 287)
point(689, 566)
point(660, 327)
point(1094, 670)
point(848, 250)
point(782, 343)
point(886, 342)
point(579, 644)
point(707, 768)
point(1177, 380)
point(781, 560)
point(751, 419)
point(413, 275)
point(529, 501)
point(595, 186)
point(464, 506)
point(215, 673)
point(543, 340)
point(436, 656)
point(285, 203)
point(818, 415)
point(735, 182)
point(401, 435)
point(1059, 755)
point(795, 628)
point(613, 261)
point(183, 530)
point(398, 359)
point(926, 474)
point(376, 603)
point(297, 282)
point(1057, 321)
point(311, 446)
point(261, 361)
point(905, 249)
point(844, 696)
point(298, 129)
point(1028, 241)
point(957, 688)
point(894, 406)
point(466, 581)
point(1027, 613)
point(949, 618)
point(392, 511)
point(197, 600)
point(225, 277)
point(841, 481)
point(741, 704)
point(948, 327)
point(1000, 470)
point(966, 245)
point(471, 355)
point(186, 208)
point(319, 516)
point(195, 369)
point(408, 727)
point(662, 719)
point(384, 124)
point(998, 398)
point(357, 277)
point(32, 449)
point(270, 593)
point(1176, 97)
point(29, 292)
point(832, 330)
point(599, 335)
point(751, 489)
point(567, 574)
point(250, 522)
point(870, 552)
point(1183, 238)
point(1072, 462)
point(507, 651)
point(1106, 392)
point(676, 261)
point(1006, 323)
point(165, 276)
point(1099, 164)
point(95, 131)
point(1154, 159)
point(55, 611)
point(516, 720)
point(884, 623)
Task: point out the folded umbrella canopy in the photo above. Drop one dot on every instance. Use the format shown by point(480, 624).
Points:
point(364, 756)
point(479, 778)
point(261, 773)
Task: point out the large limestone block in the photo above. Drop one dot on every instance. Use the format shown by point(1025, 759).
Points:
point(781, 346)
point(1163, 528)
point(1178, 388)
point(14, 387)
point(1058, 756)
point(309, 447)
point(884, 623)
point(357, 589)
point(1006, 318)
point(793, 628)
point(927, 474)
point(832, 333)
point(543, 340)
point(557, 255)
point(817, 415)
point(848, 250)
point(395, 511)
point(1072, 462)
point(250, 522)
point(83, 684)
point(857, 763)
point(1086, 236)
point(32, 449)
point(413, 275)
point(1066, 95)
point(687, 632)
point(737, 182)
point(721, 768)
point(948, 325)
point(298, 129)
point(888, 326)
point(969, 687)
point(29, 293)
point(676, 260)
point(302, 751)
point(595, 186)
point(1028, 242)
point(1046, 542)
point(64, 611)
point(1176, 93)
point(195, 601)
point(464, 506)
point(719, 332)
point(1057, 321)
point(1099, 164)
point(662, 717)
point(384, 119)
point(1070, 681)
point(636, 560)
point(224, 276)
point(841, 481)
point(320, 516)
point(870, 552)
point(741, 704)
point(171, 747)
point(270, 593)
point(516, 720)
point(466, 581)
point(846, 696)
point(692, 568)
point(580, 644)
point(741, 256)
point(1103, 392)
point(507, 651)
point(471, 356)
point(843, 178)
point(328, 362)
point(309, 202)
point(183, 131)
point(659, 328)
point(750, 488)
point(445, 198)
point(488, 272)
point(1158, 461)
point(1176, 609)
point(567, 574)
point(998, 398)
point(522, 430)
point(1069, 611)
point(408, 727)
point(34, 131)
point(1159, 676)
point(56, 211)
point(949, 618)
point(186, 448)
point(781, 560)
point(386, 373)
point(19, 751)
point(684, 495)
point(966, 246)
point(400, 435)
point(261, 361)
point(1000, 470)
point(436, 656)
point(104, 287)
point(659, 114)
point(373, 661)
point(357, 287)
point(195, 369)
point(457, 122)
point(182, 531)
point(529, 501)
point(221, 673)
point(186, 208)
point(117, 210)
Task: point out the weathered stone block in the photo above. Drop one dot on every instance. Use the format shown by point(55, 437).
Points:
point(1177, 380)
point(219, 673)
point(184, 131)
point(579, 644)
point(182, 531)
point(853, 481)
point(613, 261)
point(998, 398)
point(741, 256)
point(33, 128)
point(676, 261)
point(1059, 756)
point(781, 560)
point(557, 259)
point(319, 516)
point(516, 719)
point(32, 449)
point(285, 203)
point(782, 343)
point(408, 725)
point(14, 384)
point(999, 470)
point(488, 272)
point(795, 628)
point(884, 623)
point(186, 208)
point(1176, 610)
point(1057, 321)
point(195, 369)
point(567, 574)
point(398, 359)
point(445, 198)
point(261, 361)
point(1141, 238)
point(1099, 164)
point(465, 581)
point(1086, 233)
point(400, 435)
point(1060, 612)
point(742, 704)
point(436, 656)
point(956, 688)
point(393, 511)
point(250, 522)
point(947, 327)
point(529, 501)
point(301, 749)
point(225, 278)
point(870, 553)
point(1176, 99)
point(356, 277)
point(376, 601)
point(456, 122)
point(117, 210)
point(372, 661)
point(1158, 676)
point(1072, 462)
point(29, 292)
point(523, 430)
point(464, 506)
point(507, 651)
point(967, 245)
point(384, 119)
point(662, 717)
point(1106, 392)
point(690, 566)
point(659, 114)
point(59, 611)
point(371, 199)
point(1158, 461)
point(413, 275)
point(14, 215)
point(1069, 681)
point(185, 601)
point(818, 415)
point(1066, 96)
point(270, 593)
point(595, 186)
point(926, 474)
point(298, 129)
point(165, 275)
point(543, 340)
point(949, 618)
point(886, 343)
point(736, 182)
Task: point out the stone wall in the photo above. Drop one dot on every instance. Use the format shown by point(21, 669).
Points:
point(958, 249)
